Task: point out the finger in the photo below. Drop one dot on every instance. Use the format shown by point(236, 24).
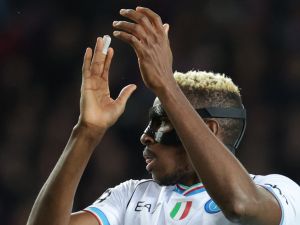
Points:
point(87, 62)
point(106, 43)
point(166, 28)
point(125, 94)
point(130, 39)
point(137, 17)
point(109, 57)
point(152, 16)
point(98, 58)
point(132, 28)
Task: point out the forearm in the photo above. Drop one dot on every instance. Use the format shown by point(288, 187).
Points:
point(55, 200)
point(226, 180)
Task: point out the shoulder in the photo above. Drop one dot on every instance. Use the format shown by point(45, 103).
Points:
point(123, 192)
point(280, 184)
point(131, 186)
point(112, 204)
point(135, 189)
point(144, 187)
point(287, 193)
point(276, 179)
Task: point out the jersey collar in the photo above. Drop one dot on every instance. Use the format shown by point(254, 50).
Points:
point(189, 191)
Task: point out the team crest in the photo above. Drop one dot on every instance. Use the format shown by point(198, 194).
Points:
point(211, 207)
point(181, 210)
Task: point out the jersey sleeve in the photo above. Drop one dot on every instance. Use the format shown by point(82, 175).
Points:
point(287, 193)
point(110, 208)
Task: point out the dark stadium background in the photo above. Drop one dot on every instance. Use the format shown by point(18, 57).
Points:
point(42, 43)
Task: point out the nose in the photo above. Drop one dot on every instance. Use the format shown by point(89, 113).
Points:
point(146, 139)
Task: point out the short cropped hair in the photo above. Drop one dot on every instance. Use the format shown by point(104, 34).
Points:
point(207, 89)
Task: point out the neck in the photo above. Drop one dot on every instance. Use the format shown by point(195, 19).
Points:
point(190, 180)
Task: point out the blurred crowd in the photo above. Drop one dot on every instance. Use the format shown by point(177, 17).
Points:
point(42, 43)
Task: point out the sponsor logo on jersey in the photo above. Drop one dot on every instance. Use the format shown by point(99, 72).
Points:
point(211, 207)
point(181, 210)
point(141, 205)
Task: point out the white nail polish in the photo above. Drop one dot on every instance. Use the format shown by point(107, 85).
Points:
point(106, 43)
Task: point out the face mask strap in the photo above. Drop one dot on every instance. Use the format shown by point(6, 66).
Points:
point(232, 113)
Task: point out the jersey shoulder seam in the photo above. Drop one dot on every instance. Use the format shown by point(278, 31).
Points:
point(139, 183)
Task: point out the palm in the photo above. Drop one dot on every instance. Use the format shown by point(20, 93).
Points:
point(96, 105)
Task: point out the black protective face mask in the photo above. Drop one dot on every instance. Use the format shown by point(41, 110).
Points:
point(161, 130)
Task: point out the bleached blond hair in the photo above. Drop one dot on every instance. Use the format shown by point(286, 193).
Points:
point(208, 89)
point(206, 81)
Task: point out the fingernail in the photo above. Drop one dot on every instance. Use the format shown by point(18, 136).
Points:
point(122, 11)
point(116, 33)
point(115, 23)
point(99, 39)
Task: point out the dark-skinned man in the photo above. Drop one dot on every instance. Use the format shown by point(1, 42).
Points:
point(195, 125)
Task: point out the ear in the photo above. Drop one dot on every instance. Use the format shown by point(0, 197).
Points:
point(213, 125)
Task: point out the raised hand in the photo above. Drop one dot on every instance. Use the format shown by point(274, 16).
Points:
point(149, 38)
point(97, 108)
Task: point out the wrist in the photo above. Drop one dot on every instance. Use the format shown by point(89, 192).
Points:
point(168, 88)
point(89, 131)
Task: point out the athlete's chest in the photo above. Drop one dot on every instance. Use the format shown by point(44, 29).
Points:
point(169, 206)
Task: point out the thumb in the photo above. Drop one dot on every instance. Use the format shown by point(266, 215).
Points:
point(125, 94)
point(166, 28)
